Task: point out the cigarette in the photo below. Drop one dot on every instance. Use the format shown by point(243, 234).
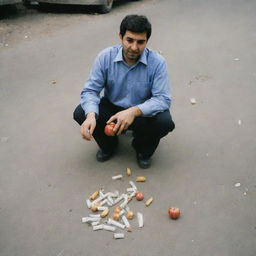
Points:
point(125, 202)
point(103, 202)
point(118, 235)
point(94, 215)
point(121, 212)
point(126, 222)
point(119, 199)
point(102, 208)
point(110, 200)
point(95, 223)
point(99, 227)
point(104, 213)
point(94, 195)
point(116, 223)
point(114, 194)
point(141, 179)
point(140, 219)
point(130, 189)
point(129, 171)
point(89, 204)
point(120, 176)
point(127, 208)
point(89, 219)
point(109, 228)
point(133, 184)
point(149, 201)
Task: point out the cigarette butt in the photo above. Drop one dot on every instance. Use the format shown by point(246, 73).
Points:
point(149, 201)
point(130, 215)
point(140, 219)
point(129, 171)
point(94, 195)
point(94, 208)
point(117, 177)
point(109, 228)
point(99, 227)
point(129, 229)
point(118, 235)
point(104, 213)
point(141, 179)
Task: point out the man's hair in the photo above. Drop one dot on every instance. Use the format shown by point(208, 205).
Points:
point(135, 23)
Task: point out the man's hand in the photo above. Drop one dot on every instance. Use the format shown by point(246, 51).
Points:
point(88, 126)
point(124, 119)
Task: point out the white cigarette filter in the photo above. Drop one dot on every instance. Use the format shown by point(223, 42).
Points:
point(102, 208)
point(117, 177)
point(133, 184)
point(95, 216)
point(98, 227)
point(89, 204)
point(116, 223)
point(130, 189)
point(140, 219)
point(95, 223)
point(122, 212)
point(89, 219)
point(118, 235)
point(125, 202)
point(109, 228)
point(126, 222)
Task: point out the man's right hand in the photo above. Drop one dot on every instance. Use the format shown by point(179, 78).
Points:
point(88, 126)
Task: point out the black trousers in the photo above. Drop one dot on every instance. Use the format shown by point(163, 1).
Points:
point(147, 131)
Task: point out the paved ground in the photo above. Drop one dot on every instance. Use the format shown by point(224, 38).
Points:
point(48, 171)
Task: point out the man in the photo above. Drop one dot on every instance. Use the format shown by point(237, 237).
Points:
point(136, 94)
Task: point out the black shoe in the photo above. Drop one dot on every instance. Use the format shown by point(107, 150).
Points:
point(102, 156)
point(143, 162)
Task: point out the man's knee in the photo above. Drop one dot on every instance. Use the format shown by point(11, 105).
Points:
point(79, 115)
point(163, 123)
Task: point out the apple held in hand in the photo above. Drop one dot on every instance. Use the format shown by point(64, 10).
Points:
point(108, 130)
point(174, 212)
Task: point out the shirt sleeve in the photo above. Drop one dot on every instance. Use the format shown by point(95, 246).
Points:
point(161, 92)
point(90, 95)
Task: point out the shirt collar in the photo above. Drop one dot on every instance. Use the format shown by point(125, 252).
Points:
point(142, 59)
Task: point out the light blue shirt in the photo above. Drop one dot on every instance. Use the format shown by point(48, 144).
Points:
point(145, 84)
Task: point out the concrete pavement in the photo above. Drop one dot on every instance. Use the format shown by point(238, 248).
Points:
point(48, 171)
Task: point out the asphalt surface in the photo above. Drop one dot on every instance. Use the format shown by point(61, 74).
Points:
point(206, 167)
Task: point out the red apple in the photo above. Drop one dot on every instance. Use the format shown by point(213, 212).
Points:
point(139, 196)
point(174, 212)
point(109, 129)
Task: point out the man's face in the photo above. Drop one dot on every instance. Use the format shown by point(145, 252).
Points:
point(133, 45)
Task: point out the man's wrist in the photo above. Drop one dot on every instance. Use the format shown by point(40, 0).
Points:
point(137, 112)
point(91, 115)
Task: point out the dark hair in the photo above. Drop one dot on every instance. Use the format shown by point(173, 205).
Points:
point(135, 23)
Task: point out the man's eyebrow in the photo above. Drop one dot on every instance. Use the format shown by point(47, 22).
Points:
point(140, 40)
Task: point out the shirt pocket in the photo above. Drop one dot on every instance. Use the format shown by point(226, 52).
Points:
point(141, 91)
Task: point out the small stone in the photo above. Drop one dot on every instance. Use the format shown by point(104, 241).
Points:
point(192, 101)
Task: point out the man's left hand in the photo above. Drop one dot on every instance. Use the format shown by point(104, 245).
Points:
point(124, 119)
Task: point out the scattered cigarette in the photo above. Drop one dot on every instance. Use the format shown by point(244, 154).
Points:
point(141, 179)
point(117, 177)
point(95, 223)
point(98, 227)
point(140, 219)
point(94, 215)
point(116, 223)
point(126, 222)
point(130, 189)
point(149, 201)
point(89, 204)
point(109, 228)
point(89, 219)
point(133, 185)
point(118, 235)
point(104, 213)
point(129, 171)
point(94, 195)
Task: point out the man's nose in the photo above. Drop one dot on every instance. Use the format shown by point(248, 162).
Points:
point(134, 46)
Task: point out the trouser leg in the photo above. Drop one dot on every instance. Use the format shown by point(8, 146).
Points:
point(106, 110)
point(149, 130)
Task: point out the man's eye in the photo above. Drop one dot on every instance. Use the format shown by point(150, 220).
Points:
point(141, 42)
point(129, 40)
